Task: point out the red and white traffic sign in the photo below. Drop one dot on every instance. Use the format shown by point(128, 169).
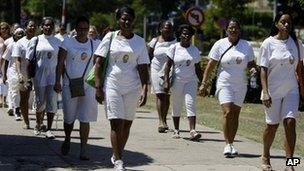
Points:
point(195, 16)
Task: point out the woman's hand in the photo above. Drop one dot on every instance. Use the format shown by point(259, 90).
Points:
point(202, 90)
point(99, 96)
point(29, 85)
point(266, 99)
point(301, 89)
point(143, 98)
point(166, 86)
point(57, 87)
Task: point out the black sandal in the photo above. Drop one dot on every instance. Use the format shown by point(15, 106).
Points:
point(65, 148)
point(161, 129)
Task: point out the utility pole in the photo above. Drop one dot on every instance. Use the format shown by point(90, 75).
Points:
point(63, 13)
point(275, 8)
point(145, 28)
point(16, 4)
point(195, 35)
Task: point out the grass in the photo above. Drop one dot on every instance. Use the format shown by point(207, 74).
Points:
point(251, 121)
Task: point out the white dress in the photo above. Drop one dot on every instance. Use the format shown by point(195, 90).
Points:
point(122, 83)
point(184, 78)
point(82, 108)
point(232, 80)
point(158, 61)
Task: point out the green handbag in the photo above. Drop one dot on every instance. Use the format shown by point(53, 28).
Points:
point(90, 78)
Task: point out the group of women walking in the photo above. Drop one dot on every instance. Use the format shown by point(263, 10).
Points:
point(61, 66)
point(281, 71)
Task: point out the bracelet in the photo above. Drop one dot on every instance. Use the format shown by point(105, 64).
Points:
point(264, 96)
point(98, 87)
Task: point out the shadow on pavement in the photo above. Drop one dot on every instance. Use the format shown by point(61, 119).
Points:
point(202, 132)
point(145, 117)
point(36, 153)
point(246, 155)
point(143, 111)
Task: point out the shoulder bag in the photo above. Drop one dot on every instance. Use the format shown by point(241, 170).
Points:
point(90, 78)
point(77, 84)
point(33, 62)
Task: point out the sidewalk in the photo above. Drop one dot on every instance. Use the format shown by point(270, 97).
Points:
point(145, 150)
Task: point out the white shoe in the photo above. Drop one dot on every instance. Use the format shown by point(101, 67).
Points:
point(119, 165)
point(17, 117)
point(113, 159)
point(49, 135)
point(37, 130)
point(176, 134)
point(234, 152)
point(227, 150)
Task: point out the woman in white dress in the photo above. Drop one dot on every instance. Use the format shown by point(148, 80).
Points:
point(45, 49)
point(157, 51)
point(281, 54)
point(233, 56)
point(185, 61)
point(4, 34)
point(19, 51)
point(126, 79)
point(75, 61)
point(10, 76)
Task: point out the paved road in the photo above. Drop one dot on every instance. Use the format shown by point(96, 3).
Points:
point(145, 150)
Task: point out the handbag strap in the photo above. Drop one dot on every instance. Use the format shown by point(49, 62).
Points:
point(173, 58)
point(298, 48)
point(218, 64)
point(92, 52)
point(35, 49)
point(299, 60)
point(85, 70)
point(155, 43)
point(111, 38)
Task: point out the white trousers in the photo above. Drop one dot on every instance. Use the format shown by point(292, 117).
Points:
point(184, 92)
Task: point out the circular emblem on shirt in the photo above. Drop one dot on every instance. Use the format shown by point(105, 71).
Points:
point(238, 60)
point(125, 59)
point(49, 55)
point(188, 62)
point(84, 56)
point(291, 60)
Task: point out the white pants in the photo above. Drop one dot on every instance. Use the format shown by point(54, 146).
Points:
point(286, 107)
point(121, 105)
point(155, 82)
point(82, 108)
point(46, 99)
point(3, 89)
point(13, 98)
point(184, 92)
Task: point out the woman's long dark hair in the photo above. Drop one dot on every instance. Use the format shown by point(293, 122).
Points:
point(274, 30)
